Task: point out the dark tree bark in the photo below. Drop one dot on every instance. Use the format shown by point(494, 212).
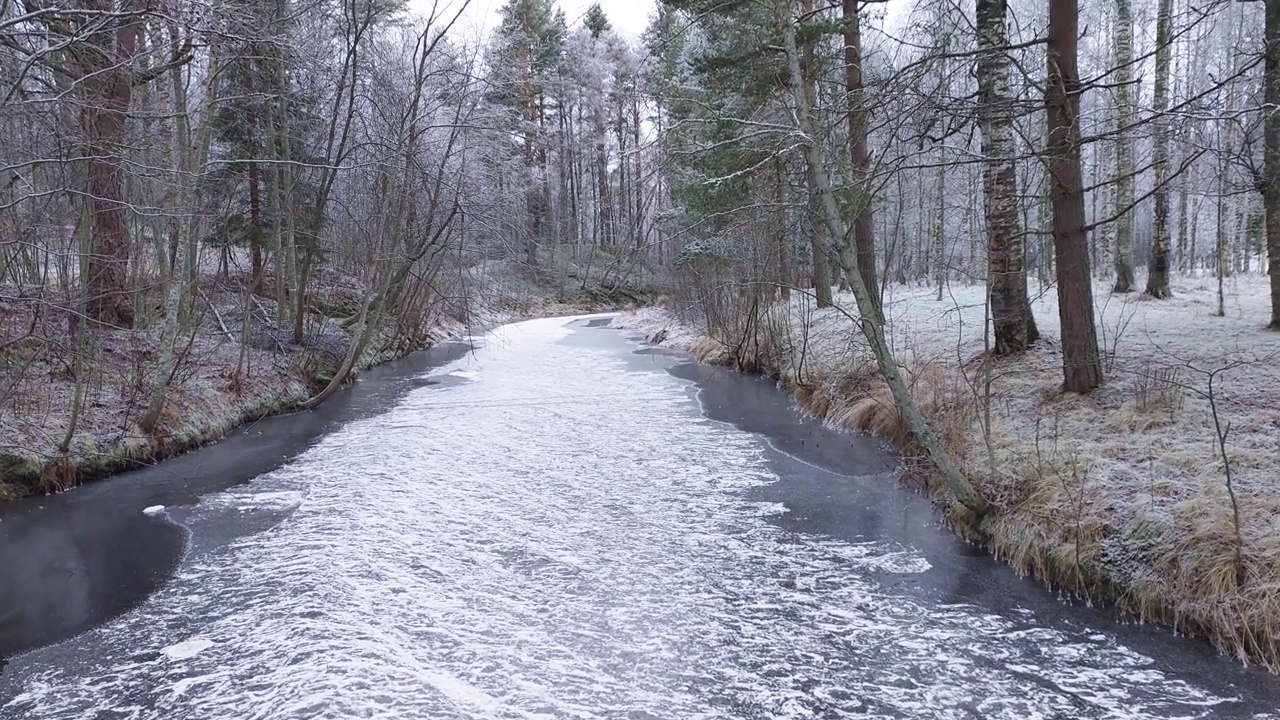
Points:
point(1158, 269)
point(1081, 366)
point(782, 233)
point(817, 236)
point(863, 230)
point(255, 224)
point(1271, 135)
point(255, 192)
point(604, 204)
point(1013, 326)
point(105, 64)
point(637, 175)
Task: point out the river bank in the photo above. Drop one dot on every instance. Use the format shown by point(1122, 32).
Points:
point(77, 559)
point(237, 367)
point(65, 570)
point(563, 523)
point(1119, 496)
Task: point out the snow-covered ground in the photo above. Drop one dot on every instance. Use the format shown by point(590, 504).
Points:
point(554, 531)
point(1125, 487)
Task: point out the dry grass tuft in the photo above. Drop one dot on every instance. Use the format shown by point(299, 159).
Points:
point(815, 401)
point(875, 413)
point(58, 475)
point(710, 351)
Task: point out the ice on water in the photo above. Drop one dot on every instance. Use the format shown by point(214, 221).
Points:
point(566, 539)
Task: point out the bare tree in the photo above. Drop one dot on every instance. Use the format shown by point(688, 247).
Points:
point(871, 322)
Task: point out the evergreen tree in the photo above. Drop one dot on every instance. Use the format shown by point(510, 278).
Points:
point(523, 62)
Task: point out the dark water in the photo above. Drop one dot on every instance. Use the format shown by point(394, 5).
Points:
point(75, 560)
point(564, 525)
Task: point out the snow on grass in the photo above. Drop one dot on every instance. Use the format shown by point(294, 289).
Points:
point(1121, 493)
point(215, 388)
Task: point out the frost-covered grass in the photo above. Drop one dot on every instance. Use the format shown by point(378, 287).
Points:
point(212, 391)
point(1120, 494)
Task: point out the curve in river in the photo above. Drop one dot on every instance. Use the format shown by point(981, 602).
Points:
point(566, 527)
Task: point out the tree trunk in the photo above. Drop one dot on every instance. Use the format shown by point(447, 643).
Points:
point(818, 244)
point(255, 225)
point(192, 155)
point(1220, 235)
point(781, 236)
point(1081, 366)
point(940, 227)
point(1158, 269)
point(604, 205)
point(282, 190)
point(1184, 192)
point(1124, 146)
point(1271, 136)
point(1014, 327)
point(109, 84)
point(637, 175)
point(863, 230)
point(872, 321)
point(1104, 259)
point(255, 192)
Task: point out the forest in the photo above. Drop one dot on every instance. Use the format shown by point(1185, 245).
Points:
point(1037, 245)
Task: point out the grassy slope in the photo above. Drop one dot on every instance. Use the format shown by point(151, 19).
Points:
point(1118, 495)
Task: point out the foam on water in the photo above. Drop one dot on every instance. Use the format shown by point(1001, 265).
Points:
point(565, 539)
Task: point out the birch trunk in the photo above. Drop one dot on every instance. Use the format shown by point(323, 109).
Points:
point(1013, 326)
point(1124, 146)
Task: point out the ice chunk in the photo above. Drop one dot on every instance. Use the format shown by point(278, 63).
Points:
point(187, 648)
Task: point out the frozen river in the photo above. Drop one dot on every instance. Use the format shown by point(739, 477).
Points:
point(561, 525)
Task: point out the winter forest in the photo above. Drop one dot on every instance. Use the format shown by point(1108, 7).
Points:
point(995, 222)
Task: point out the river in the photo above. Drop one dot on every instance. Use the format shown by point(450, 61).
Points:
point(557, 524)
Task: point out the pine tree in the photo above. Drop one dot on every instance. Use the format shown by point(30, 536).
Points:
point(527, 51)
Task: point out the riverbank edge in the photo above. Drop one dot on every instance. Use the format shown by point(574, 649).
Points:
point(1057, 565)
point(22, 475)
